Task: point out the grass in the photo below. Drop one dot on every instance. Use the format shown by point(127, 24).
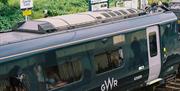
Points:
point(10, 12)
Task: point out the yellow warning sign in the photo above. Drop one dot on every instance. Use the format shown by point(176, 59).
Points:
point(27, 12)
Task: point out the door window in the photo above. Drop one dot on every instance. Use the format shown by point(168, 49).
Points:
point(153, 44)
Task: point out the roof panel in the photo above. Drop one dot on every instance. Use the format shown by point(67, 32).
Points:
point(54, 21)
point(11, 37)
point(96, 14)
point(76, 19)
point(30, 25)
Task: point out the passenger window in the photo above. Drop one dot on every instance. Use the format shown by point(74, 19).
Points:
point(17, 74)
point(108, 60)
point(153, 44)
point(4, 83)
point(101, 62)
point(116, 58)
point(168, 30)
point(61, 74)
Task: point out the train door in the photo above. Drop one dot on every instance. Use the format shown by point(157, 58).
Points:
point(153, 43)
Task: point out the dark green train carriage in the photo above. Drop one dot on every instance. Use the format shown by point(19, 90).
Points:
point(175, 7)
point(114, 56)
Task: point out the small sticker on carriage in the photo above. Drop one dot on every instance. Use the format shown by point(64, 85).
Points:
point(109, 84)
point(138, 77)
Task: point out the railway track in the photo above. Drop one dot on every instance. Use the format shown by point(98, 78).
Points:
point(171, 84)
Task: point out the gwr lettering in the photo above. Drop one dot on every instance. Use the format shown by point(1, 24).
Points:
point(109, 84)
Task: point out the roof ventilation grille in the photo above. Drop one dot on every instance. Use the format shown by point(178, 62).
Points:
point(106, 15)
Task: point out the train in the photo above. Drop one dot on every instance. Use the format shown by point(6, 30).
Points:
point(174, 6)
point(110, 50)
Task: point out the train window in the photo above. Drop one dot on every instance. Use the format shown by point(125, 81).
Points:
point(101, 62)
point(61, 74)
point(116, 58)
point(108, 60)
point(4, 83)
point(17, 75)
point(178, 26)
point(153, 44)
point(167, 30)
point(36, 62)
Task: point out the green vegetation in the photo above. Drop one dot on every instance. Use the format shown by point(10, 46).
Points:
point(9, 15)
point(58, 7)
point(10, 12)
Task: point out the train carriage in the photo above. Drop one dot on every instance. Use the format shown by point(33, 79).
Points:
point(175, 7)
point(58, 54)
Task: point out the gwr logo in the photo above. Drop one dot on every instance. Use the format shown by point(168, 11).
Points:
point(108, 85)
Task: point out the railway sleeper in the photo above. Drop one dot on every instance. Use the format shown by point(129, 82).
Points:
point(172, 83)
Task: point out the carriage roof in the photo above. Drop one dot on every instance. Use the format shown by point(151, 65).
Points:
point(33, 42)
